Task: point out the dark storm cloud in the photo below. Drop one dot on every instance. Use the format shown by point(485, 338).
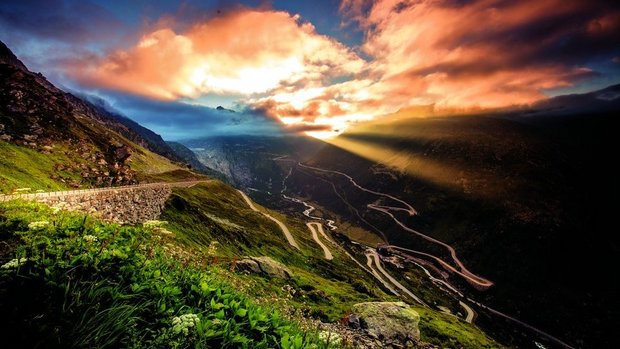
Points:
point(68, 21)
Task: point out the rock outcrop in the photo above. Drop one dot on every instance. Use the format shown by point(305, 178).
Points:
point(387, 321)
point(266, 266)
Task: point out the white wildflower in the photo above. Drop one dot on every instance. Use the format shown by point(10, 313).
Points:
point(330, 337)
point(212, 248)
point(38, 225)
point(90, 238)
point(14, 263)
point(183, 323)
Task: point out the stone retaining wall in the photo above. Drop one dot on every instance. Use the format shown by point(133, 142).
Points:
point(130, 204)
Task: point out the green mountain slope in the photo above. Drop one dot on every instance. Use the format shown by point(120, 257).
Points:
point(66, 142)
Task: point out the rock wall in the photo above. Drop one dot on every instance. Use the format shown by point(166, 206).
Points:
point(128, 205)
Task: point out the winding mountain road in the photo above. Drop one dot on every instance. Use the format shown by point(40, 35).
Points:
point(470, 312)
point(476, 280)
point(464, 272)
point(409, 209)
point(284, 228)
point(377, 276)
point(372, 253)
point(473, 279)
point(314, 228)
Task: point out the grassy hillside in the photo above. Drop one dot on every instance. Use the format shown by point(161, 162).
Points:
point(103, 285)
point(21, 167)
point(214, 214)
point(76, 282)
point(60, 167)
point(213, 217)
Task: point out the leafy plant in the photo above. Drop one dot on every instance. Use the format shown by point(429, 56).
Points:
point(83, 283)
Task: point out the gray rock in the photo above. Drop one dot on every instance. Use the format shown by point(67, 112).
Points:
point(265, 265)
point(394, 321)
point(248, 265)
point(354, 321)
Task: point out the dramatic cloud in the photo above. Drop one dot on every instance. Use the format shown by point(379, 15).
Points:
point(241, 52)
point(447, 56)
point(486, 53)
point(456, 56)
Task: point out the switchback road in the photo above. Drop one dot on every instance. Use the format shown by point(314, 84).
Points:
point(284, 228)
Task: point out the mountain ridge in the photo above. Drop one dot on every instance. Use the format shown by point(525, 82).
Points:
point(69, 142)
point(113, 120)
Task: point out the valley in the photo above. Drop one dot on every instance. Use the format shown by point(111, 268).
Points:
point(318, 187)
point(373, 258)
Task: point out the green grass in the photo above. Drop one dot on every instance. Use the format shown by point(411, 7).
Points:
point(22, 167)
point(84, 283)
point(149, 163)
point(215, 212)
point(448, 331)
point(127, 288)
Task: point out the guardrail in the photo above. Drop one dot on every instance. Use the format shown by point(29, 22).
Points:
point(79, 192)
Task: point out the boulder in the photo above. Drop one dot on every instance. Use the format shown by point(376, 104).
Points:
point(248, 265)
point(393, 321)
point(264, 265)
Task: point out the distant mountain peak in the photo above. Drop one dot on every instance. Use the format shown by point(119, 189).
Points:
point(7, 57)
point(220, 108)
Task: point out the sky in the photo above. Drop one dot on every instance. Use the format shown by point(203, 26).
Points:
point(315, 67)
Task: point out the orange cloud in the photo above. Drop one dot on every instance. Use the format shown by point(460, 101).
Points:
point(242, 52)
point(475, 54)
point(456, 56)
point(449, 54)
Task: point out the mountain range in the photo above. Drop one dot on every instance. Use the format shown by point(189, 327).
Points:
point(525, 196)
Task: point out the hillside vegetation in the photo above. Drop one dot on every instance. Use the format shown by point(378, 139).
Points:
point(70, 280)
point(77, 282)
